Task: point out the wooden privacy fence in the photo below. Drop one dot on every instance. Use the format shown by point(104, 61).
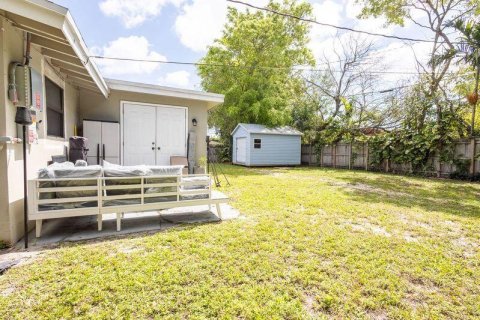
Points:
point(356, 156)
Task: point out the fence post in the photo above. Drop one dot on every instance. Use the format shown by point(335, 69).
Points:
point(321, 156)
point(366, 154)
point(472, 164)
point(311, 154)
point(350, 157)
point(440, 165)
point(334, 155)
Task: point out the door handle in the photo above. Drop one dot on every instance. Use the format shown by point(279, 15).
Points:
point(98, 153)
point(103, 152)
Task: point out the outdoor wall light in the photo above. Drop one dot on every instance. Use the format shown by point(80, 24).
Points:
point(194, 122)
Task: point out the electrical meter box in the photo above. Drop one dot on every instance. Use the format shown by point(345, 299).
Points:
point(30, 93)
point(23, 82)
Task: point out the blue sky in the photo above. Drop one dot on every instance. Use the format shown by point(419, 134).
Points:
point(181, 30)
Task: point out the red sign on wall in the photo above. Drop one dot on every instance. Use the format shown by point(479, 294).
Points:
point(37, 101)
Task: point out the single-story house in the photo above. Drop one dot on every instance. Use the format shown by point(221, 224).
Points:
point(258, 145)
point(68, 88)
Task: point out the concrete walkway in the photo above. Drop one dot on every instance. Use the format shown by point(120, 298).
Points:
point(85, 228)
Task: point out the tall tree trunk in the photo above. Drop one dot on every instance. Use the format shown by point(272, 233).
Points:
point(474, 106)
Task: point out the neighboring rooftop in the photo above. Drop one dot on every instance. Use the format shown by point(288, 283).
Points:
point(259, 128)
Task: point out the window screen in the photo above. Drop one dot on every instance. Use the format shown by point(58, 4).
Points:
point(257, 143)
point(55, 111)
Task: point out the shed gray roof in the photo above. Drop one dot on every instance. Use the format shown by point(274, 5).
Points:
point(258, 128)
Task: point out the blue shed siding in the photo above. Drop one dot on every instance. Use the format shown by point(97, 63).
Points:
point(275, 150)
point(240, 133)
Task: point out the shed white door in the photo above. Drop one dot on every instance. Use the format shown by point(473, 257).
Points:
point(241, 150)
point(152, 134)
point(139, 132)
point(171, 134)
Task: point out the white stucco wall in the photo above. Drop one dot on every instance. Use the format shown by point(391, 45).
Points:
point(11, 156)
point(95, 107)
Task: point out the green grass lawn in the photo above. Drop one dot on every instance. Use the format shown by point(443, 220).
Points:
point(311, 243)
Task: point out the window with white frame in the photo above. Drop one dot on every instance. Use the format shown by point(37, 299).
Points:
point(257, 143)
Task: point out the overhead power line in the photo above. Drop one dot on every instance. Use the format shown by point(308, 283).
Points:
point(184, 63)
point(379, 91)
point(374, 55)
point(294, 68)
point(287, 15)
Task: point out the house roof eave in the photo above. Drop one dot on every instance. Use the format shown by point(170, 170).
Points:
point(212, 99)
point(47, 16)
point(75, 39)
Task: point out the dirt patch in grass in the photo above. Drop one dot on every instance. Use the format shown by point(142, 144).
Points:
point(366, 226)
point(414, 223)
point(308, 304)
point(410, 237)
point(469, 247)
point(452, 227)
point(363, 187)
point(23, 257)
point(273, 172)
point(8, 291)
point(127, 249)
point(418, 292)
point(16, 258)
point(377, 315)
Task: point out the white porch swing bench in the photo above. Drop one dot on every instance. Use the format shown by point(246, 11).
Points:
point(57, 198)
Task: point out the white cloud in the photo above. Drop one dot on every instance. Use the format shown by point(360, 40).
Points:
point(202, 21)
point(176, 79)
point(135, 12)
point(376, 25)
point(398, 57)
point(327, 12)
point(133, 47)
point(352, 9)
point(341, 13)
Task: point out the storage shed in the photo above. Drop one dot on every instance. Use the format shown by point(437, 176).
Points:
point(258, 145)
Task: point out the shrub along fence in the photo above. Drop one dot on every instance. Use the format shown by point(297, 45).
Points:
point(356, 156)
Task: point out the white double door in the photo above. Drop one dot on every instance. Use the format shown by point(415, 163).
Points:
point(152, 134)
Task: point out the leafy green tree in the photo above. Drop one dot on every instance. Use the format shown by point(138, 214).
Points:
point(252, 64)
point(466, 88)
point(432, 16)
point(434, 117)
point(420, 135)
point(469, 51)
